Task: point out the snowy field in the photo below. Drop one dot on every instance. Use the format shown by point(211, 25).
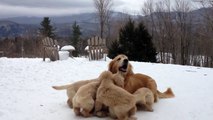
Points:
point(26, 93)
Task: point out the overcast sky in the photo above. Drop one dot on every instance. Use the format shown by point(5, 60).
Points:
point(13, 8)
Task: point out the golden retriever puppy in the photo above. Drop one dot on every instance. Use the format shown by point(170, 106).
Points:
point(144, 97)
point(120, 102)
point(132, 81)
point(84, 99)
point(72, 89)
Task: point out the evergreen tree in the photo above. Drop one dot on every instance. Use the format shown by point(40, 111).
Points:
point(75, 39)
point(114, 49)
point(76, 33)
point(46, 29)
point(136, 43)
point(126, 37)
point(143, 44)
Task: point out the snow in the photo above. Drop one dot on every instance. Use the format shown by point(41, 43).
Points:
point(86, 48)
point(67, 47)
point(26, 93)
point(63, 55)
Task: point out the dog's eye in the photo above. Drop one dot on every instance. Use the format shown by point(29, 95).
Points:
point(118, 59)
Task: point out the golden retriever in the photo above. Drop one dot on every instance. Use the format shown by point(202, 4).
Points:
point(84, 99)
point(120, 102)
point(134, 81)
point(72, 89)
point(144, 97)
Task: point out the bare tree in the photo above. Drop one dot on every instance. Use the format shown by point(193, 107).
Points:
point(103, 8)
point(205, 33)
point(183, 22)
point(116, 25)
point(148, 10)
point(158, 18)
point(166, 32)
point(177, 35)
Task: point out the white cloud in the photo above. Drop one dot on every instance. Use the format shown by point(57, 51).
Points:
point(28, 9)
point(49, 3)
point(12, 8)
point(130, 6)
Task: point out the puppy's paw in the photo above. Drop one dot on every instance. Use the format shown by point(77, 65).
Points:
point(69, 102)
point(101, 114)
point(132, 118)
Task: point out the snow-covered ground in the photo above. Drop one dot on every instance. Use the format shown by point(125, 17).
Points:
point(26, 93)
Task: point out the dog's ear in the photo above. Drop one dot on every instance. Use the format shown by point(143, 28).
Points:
point(110, 67)
point(130, 69)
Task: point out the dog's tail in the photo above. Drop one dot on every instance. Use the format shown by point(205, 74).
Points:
point(167, 94)
point(62, 87)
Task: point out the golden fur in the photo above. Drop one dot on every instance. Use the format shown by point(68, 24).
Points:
point(144, 97)
point(72, 89)
point(84, 99)
point(120, 102)
point(134, 81)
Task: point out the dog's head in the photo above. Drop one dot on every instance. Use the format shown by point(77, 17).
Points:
point(120, 64)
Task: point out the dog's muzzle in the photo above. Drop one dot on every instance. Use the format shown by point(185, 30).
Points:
point(124, 66)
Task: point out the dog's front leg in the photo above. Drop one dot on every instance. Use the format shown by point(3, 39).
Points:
point(98, 109)
point(98, 106)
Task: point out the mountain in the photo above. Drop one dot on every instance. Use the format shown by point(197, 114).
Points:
point(84, 17)
point(13, 29)
point(88, 22)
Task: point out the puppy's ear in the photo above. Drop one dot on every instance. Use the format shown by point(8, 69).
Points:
point(118, 80)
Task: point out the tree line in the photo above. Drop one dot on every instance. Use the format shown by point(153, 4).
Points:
point(176, 38)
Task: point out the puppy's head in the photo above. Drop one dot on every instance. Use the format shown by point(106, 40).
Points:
point(105, 75)
point(120, 64)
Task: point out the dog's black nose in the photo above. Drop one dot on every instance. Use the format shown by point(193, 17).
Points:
point(126, 61)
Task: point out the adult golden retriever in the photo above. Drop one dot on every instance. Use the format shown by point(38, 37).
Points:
point(120, 102)
point(134, 81)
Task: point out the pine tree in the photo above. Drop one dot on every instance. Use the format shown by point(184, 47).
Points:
point(143, 44)
point(46, 29)
point(136, 43)
point(75, 39)
point(76, 33)
point(114, 49)
point(126, 37)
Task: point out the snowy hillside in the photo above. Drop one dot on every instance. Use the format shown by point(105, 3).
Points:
point(26, 93)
